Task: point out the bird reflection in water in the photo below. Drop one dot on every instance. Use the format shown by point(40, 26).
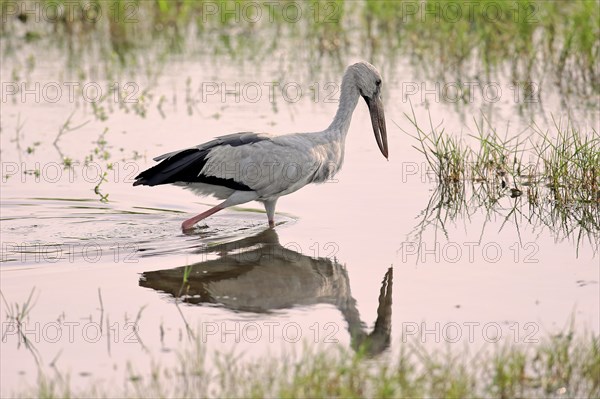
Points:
point(257, 274)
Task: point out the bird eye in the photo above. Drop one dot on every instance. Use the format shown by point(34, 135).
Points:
point(378, 82)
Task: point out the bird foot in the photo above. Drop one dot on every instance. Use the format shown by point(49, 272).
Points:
point(272, 224)
point(187, 226)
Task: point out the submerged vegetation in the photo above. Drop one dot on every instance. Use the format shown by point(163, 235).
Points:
point(530, 38)
point(563, 365)
point(456, 40)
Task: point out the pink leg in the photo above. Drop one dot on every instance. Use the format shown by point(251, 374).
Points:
point(188, 224)
point(238, 197)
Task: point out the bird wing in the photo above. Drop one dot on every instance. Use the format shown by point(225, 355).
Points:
point(234, 139)
point(271, 167)
point(186, 165)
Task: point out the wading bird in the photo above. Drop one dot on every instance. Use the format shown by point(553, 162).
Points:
point(243, 167)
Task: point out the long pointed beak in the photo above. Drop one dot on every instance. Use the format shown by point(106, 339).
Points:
point(378, 120)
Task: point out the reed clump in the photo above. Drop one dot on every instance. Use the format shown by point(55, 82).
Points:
point(547, 177)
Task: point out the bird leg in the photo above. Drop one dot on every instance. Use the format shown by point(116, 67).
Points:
point(270, 208)
point(238, 197)
point(188, 224)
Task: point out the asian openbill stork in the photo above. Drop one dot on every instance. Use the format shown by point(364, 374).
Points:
point(243, 167)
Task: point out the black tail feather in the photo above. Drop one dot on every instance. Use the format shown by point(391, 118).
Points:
point(184, 166)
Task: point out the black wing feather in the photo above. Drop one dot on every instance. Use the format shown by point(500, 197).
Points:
point(184, 166)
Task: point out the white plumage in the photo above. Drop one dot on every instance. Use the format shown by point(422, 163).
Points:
point(248, 166)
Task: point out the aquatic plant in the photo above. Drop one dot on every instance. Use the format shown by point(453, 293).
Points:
point(549, 178)
point(561, 365)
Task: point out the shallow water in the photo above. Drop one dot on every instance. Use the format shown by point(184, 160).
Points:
point(105, 275)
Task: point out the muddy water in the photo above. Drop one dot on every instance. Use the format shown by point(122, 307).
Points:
point(350, 260)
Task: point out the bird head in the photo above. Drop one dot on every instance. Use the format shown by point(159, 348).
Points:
point(368, 82)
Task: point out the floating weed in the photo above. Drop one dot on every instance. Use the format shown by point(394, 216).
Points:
point(31, 149)
point(67, 162)
point(32, 172)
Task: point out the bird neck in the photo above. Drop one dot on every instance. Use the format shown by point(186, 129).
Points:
point(348, 100)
